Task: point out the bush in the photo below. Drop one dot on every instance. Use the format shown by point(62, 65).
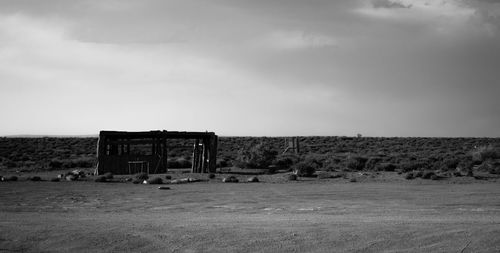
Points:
point(211, 176)
point(259, 157)
point(304, 169)
point(10, 178)
point(55, 164)
point(286, 161)
point(428, 174)
point(101, 179)
point(55, 179)
point(292, 177)
point(409, 176)
point(35, 178)
point(168, 177)
point(385, 167)
point(484, 153)
point(353, 180)
point(179, 163)
point(355, 163)
point(155, 180)
point(141, 176)
point(108, 175)
point(372, 163)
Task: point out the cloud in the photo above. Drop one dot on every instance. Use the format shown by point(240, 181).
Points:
point(389, 4)
point(296, 40)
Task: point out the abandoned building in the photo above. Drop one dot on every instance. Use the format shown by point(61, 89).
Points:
point(122, 152)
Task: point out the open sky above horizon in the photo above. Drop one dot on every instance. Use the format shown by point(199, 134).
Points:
point(251, 68)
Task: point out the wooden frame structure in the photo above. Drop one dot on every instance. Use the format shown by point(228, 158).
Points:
point(292, 144)
point(114, 151)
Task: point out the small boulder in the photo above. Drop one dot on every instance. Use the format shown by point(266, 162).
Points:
point(211, 176)
point(252, 180)
point(231, 179)
point(71, 177)
point(108, 175)
point(168, 177)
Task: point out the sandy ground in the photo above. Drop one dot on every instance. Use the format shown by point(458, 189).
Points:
point(307, 216)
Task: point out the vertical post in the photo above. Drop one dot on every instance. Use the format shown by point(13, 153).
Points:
point(164, 155)
point(101, 152)
point(212, 159)
point(204, 164)
point(296, 144)
point(194, 165)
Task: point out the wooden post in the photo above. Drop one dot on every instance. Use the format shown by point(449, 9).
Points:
point(204, 164)
point(212, 160)
point(194, 165)
point(101, 153)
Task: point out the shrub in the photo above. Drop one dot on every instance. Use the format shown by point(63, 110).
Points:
point(35, 178)
point(435, 177)
point(372, 163)
point(168, 177)
point(286, 161)
point(418, 174)
point(428, 174)
point(211, 176)
point(353, 180)
point(108, 175)
point(385, 167)
point(409, 176)
point(101, 179)
point(355, 162)
point(413, 165)
point(155, 180)
point(55, 164)
point(304, 169)
point(55, 179)
point(292, 177)
point(141, 176)
point(179, 163)
point(259, 157)
point(484, 153)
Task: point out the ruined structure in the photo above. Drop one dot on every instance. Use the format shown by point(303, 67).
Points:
point(121, 152)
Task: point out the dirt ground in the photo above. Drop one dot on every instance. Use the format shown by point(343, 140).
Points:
point(333, 215)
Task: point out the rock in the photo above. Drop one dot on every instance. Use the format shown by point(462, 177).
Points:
point(292, 177)
point(155, 180)
point(164, 188)
point(71, 177)
point(168, 177)
point(108, 175)
point(56, 179)
point(252, 180)
point(231, 179)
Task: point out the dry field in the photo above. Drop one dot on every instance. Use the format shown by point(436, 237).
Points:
point(380, 215)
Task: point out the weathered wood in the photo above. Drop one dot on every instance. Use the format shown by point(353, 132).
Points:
point(114, 150)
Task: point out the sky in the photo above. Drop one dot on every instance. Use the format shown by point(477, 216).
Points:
point(251, 68)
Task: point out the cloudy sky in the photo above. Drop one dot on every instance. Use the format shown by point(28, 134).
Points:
point(261, 68)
